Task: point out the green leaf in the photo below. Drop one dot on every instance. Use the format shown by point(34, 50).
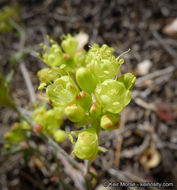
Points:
point(5, 98)
point(102, 149)
point(8, 14)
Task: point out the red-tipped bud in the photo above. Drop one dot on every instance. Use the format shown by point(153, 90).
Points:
point(84, 100)
point(95, 110)
point(109, 122)
point(66, 56)
point(38, 128)
point(75, 113)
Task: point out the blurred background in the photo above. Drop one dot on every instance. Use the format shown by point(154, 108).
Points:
point(145, 147)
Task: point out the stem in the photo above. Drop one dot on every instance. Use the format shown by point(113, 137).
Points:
point(87, 166)
point(13, 151)
point(88, 184)
point(58, 148)
point(87, 163)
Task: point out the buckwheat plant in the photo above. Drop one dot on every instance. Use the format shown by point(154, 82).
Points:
point(84, 87)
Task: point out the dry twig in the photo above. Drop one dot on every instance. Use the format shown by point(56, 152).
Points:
point(137, 150)
point(166, 47)
point(28, 82)
point(149, 106)
point(23, 68)
point(140, 81)
point(75, 175)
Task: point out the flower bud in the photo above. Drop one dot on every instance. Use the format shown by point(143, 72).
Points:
point(48, 121)
point(84, 100)
point(109, 122)
point(86, 146)
point(48, 75)
point(15, 135)
point(95, 110)
point(59, 136)
point(112, 96)
point(63, 91)
point(74, 113)
point(53, 55)
point(86, 80)
point(38, 128)
point(128, 80)
point(42, 86)
point(39, 115)
point(53, 119)
point(79, 58)
point(69, 45)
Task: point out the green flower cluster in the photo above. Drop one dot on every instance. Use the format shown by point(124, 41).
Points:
point(85, 85)
point(16, 133)
point(45, 121)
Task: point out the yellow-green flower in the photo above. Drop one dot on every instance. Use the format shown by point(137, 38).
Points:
point(63, 91)
point(52, 56)
point(86, 146)
point(102, 62)
point(112, 95)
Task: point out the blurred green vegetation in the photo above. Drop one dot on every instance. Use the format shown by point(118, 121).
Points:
point(8, 15)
